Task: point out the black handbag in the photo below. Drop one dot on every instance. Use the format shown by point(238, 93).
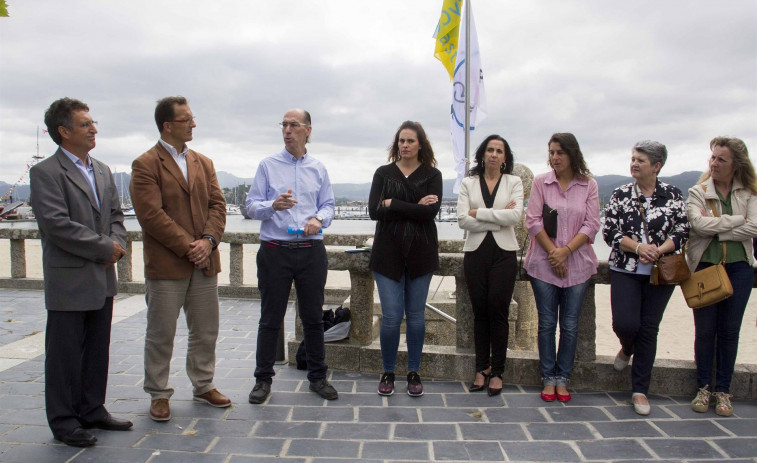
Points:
point(549, 217)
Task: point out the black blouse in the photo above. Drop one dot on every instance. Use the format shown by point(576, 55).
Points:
point(405, 238)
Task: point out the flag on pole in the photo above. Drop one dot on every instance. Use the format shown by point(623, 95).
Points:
point(447, 33)
point(477, 98)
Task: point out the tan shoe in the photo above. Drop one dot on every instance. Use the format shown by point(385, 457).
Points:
point(701, 402)
point(723, 405)
point(159, 410)
point(214, 398)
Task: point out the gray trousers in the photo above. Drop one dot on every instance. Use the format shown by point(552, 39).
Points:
point(198, 296)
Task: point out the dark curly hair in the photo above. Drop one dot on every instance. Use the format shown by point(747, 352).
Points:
point(61, 114)
point(569, 144)
point(506, 168)
point(425, 154)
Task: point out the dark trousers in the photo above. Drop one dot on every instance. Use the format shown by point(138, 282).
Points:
point(490, 278)
point(277, 268)
point(76, 366)
point(637, 309)
point(717, 329)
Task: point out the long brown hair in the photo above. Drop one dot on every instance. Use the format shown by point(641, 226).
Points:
point(425, 154)
point(569, 144)
point(744, 169)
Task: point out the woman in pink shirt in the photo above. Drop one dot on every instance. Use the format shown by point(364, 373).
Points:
point(560, 266)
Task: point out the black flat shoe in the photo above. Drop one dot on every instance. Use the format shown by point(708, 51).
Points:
point(109, 423)
point(78, 438)
point(492, 391)
point(480, 387)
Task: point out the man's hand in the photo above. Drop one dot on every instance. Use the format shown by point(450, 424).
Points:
point(118, 252)
point(284, 201)
point(199, 250)
point(313, 226)
point(204, 264)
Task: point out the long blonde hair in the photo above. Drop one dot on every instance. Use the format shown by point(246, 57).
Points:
point(744, 170)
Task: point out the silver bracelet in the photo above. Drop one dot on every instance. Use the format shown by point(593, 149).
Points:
point(636, 251)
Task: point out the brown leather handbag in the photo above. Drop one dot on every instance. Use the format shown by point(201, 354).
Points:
point(670, 269)
point(709, 285)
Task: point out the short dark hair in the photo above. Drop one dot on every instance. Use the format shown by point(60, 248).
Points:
point(164, 111)
point(569, 144)
point(506, 168)
point(61, 113)
point(425, 154)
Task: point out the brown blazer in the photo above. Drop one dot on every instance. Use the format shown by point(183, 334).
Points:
point(173, 213)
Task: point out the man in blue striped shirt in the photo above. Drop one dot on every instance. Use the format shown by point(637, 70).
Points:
point(292, 197)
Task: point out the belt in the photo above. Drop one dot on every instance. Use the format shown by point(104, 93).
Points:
point(290, 244)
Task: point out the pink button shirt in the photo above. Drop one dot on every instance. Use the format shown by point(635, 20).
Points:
point(577, 212)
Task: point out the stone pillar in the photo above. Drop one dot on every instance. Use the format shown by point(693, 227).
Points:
point(361, 307)
point(528, 317)
point(124, 265)
point(18, 258)
point(464, 317)
point(236, 261)
point(586, 349)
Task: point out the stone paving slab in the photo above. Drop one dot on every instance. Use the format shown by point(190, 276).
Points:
point(296, 426)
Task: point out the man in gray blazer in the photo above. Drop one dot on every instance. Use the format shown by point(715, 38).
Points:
point(81, 225)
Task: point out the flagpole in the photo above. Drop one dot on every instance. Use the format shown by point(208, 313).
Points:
point(467, 86)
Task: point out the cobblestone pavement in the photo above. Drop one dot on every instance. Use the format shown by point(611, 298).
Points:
point(295, 425)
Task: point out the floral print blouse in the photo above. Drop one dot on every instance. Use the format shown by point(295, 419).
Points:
point(666, 218)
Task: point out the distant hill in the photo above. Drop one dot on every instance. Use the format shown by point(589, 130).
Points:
point(360, 191)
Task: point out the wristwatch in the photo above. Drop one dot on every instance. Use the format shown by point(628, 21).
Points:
point(212, 240)
point(318, 218)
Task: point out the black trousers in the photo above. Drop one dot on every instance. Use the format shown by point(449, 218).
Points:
point(637, 309)
point(278, 267)
point(490, 277)
point(76, 366)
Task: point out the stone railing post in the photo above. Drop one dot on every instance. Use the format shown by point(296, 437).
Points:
point(124, 265)
point(464, 316)
point(586, 349)
point(236, 267)
point(18, 258)
point(361, 307)
point(527, 326)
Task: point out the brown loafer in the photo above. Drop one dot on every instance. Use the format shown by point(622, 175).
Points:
point(159, 410)
point(214, 398)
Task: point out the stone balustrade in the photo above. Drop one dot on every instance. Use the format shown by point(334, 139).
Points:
point(361, 351)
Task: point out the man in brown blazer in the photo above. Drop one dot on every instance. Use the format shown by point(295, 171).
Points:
point(182, 212)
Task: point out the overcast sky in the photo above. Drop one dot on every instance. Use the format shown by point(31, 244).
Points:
point(613, 73)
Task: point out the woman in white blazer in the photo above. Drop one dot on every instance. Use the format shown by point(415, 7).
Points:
point(489, 205)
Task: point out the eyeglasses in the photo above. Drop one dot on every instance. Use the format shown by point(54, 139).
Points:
point(293, 125)
point(88, 124)
point(188, 120)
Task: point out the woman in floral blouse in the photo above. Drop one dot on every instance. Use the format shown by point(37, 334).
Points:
point(643, 221)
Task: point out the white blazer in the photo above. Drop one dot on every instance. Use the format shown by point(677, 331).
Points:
point(498, 220)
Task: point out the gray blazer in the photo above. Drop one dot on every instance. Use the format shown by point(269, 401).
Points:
point(77, 236)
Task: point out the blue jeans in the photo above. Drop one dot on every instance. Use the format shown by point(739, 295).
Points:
point(552, 300)
point(717, 329)
point(405, 297)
